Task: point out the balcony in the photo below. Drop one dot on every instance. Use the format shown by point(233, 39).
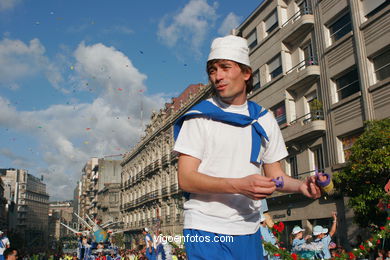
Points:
point(148, 169)
point(179, 219)
point(164, 191)
point(165, 160)
point(168, 219)
point(157, 164)
point(305, 127)
point(174, 156)
point(174, 188)
point(302, 74)
point(298, 25)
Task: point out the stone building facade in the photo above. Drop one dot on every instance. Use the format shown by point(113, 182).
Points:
point(60, 212)
point(322, 67)
point(31, 204)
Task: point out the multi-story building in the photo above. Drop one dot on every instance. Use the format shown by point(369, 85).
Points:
point(108, 195)
point(9, 184)
point(88, 188)
point(108, 206)
point(3, 209)
point(32, 205)
point(76, 202)
point(59, 212)
point(150, 193)
point(99, 190)
point(322, 67)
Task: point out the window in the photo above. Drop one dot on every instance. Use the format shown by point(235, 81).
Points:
point(252, 39)
point(292, 162)
point(371, 7)
point(318, 158)
point(256, 80)
point(271, 23)
point(382, 65)
point(347, 84)
point(304, 7)
point(310, 57)
point(347, 143)
point(340, 27)
point(275, 66)
point(280, 113)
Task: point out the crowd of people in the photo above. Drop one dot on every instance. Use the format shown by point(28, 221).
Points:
point(318, 244)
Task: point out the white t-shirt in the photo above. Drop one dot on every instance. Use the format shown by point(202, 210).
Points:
point(224, 151)
point(3, 245)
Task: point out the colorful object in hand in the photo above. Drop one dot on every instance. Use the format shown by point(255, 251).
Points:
point(326, 185)
point(279, 182)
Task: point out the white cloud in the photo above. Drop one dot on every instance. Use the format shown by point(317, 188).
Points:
point(16, 159)
point(190, 26)
point(8, 4)
point(230, 22)
point(20, 61)
point(69, 135)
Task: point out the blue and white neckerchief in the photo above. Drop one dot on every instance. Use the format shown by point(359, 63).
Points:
point(208, 109)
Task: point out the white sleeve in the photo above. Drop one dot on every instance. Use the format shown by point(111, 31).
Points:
point(191, 138)
point(275, 149)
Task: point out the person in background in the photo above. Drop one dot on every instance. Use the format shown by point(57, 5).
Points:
point(266, 236)
point(10, 254)
point(84, 250)
point(149, 243)
point(4, 244)
point(322, 236)
point(298, 239)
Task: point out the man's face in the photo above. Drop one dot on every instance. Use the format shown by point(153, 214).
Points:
point(13, 256)
point(229, 81)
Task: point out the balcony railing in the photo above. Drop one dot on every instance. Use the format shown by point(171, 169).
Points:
point(309, 61)
point(315, 115)
point(164, 191)
point(165, 160)
point(174, 188)
point(303, 175)
point(174, 156)
point(157, 164)
point(294, 17)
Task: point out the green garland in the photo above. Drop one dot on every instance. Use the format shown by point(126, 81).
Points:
point(362, 250)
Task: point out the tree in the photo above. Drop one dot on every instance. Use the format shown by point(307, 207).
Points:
point(366, 173)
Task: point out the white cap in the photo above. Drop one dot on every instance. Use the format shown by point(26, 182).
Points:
point(230, 48)
point(296, 230)
point(262, 217)
point(317, 230)
point(146, 229)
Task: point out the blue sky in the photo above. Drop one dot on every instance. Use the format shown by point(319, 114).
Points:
point(75, 74)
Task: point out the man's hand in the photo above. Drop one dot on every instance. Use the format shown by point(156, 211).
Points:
point(310, 189)
point(254, 186)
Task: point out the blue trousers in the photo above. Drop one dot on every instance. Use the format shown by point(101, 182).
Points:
point(203, 245)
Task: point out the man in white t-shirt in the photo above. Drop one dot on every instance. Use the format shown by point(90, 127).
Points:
point(4, 244)
point(219, 162)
